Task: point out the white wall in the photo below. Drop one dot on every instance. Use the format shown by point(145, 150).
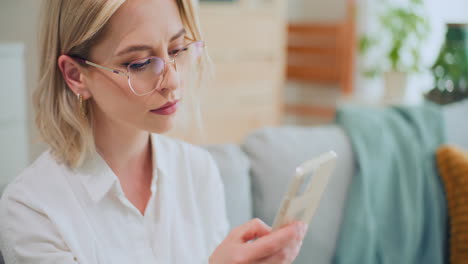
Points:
point(453, 11)
point(13, 119)
point(441, 12)
point(18, 24)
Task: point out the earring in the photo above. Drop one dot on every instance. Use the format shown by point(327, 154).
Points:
point(81, 106)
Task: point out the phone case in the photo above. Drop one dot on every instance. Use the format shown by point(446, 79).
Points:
point(302, 206)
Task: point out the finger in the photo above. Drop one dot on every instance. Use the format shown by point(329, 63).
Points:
point(285, 255)
point(253, 229)
point(276, 241)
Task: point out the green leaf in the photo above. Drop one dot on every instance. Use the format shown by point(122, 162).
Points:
point(372, 73)
point(365, 44)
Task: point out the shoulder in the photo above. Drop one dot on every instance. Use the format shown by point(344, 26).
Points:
point(34, 176)
point(33, 214)
point(35, 185)
point(20, 194)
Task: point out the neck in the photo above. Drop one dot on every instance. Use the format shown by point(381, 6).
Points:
point(126, 150)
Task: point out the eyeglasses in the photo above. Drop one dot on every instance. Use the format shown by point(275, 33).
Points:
point(146, 75)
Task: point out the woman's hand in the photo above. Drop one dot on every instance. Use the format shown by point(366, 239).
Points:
point(280, 246)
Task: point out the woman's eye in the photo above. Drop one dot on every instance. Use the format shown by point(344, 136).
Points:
point(174, 52)
point(139, 65)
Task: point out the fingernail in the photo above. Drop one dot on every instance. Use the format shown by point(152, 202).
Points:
point(304, 228)
point(301, 228)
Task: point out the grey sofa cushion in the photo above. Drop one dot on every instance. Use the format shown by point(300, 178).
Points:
point(234, 169)
point(274, 153)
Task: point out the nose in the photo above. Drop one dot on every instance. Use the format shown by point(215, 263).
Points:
point(170, 81)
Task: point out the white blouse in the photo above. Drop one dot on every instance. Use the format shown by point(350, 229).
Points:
point(53, 214)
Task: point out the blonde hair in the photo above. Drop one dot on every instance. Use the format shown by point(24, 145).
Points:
point(72, 27)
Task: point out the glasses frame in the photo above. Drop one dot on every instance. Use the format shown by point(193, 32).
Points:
point(127, 74)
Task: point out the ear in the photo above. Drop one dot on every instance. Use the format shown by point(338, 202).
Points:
point(73, 74)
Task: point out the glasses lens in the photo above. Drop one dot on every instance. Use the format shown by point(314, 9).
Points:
point(188, 57)
point(145, 74)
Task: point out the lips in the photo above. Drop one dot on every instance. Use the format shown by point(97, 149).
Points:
point(169, 104)
point(166, 109)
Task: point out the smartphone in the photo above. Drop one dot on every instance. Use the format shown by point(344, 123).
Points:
point(305, 190)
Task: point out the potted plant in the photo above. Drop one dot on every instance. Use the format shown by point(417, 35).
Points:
point(402, 31)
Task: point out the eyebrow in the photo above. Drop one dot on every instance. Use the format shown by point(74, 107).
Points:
point(147, 47)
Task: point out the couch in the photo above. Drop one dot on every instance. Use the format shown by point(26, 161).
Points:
point(256, 173)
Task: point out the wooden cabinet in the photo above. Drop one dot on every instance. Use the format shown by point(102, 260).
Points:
point(247, 42)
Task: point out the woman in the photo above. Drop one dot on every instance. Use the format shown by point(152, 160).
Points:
point(111, 189)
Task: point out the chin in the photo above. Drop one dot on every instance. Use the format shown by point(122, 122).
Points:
point(162, 127)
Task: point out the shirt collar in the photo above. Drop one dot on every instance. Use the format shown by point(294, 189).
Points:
point(98, 178)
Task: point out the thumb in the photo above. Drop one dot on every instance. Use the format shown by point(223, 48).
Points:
point(253, 229)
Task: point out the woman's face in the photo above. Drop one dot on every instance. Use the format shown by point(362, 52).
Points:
point(139, 29)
